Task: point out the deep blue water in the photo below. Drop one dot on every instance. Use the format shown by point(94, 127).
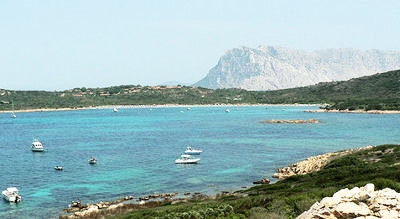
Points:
point(136, 149)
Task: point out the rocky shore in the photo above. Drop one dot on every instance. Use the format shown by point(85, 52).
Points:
point(123, 205)
point(312, 164)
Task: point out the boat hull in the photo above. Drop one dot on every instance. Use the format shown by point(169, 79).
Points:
point(11, 196)
point(37, 146)
point(187, 161)
point(92, 161)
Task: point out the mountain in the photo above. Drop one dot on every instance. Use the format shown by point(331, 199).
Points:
point(272, 68)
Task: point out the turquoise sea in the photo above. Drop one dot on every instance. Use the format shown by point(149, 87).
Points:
point(136, 149)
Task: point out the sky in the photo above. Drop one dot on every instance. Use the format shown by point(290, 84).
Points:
point(62, 44)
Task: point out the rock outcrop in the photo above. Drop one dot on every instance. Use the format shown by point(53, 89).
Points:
point(272, 68)
point(262, 181)
point(291, 121)
point(357, 202)
point(312, 164)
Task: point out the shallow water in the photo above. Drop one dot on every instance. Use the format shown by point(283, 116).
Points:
point(136, 149)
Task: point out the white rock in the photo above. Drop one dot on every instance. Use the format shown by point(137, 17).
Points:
point(388, 214)
point(381, 204)
point(330, 202)
point(368, 188)
point(341, 193)
point(350, 208)
point(354, 193)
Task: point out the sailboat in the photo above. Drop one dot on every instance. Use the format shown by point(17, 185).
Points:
point(12, 112)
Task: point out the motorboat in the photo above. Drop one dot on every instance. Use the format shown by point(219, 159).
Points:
point(227, 111)
point(115, 110)
point(187, 159)
point(58, 167)
point(192, 151)
point(11, 194)
point(92, 160)
point(37, 146)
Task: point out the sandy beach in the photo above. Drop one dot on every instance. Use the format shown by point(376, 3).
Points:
point(150, 106)
point(206, 105)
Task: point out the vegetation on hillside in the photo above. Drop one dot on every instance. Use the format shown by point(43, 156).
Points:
point(380, 91)
point(290, 197)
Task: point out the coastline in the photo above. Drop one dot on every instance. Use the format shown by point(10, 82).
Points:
point(355, 111)
point(130, 203)
point(202, 105)
point(149, 106)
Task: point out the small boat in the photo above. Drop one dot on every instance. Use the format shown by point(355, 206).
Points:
point(115, 110)
point(187, 159)
point(12, 112)
point(92, 160)
point(12, 195)
point(58, 167)
point(192, 151)
point(37, 146)
point(227, 111)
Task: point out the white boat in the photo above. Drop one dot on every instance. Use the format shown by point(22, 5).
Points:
point(92, 160)
point(12, 112)
point(58, 167)
point(37, 146)
point(12, 195)
point(187, 159)
point(227, 111)
point(115, 110)
point(192, 151)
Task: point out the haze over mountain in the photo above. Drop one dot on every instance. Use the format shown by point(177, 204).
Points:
point(272, 68)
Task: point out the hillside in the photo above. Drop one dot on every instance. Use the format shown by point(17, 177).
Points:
point(287, 198)
point(273, 68)
point(379, 91)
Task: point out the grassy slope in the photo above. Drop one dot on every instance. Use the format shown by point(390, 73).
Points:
point(290, 197)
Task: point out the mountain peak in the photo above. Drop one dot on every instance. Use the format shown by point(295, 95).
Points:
point(274, 67)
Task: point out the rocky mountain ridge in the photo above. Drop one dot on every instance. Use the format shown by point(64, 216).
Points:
point(272, 68)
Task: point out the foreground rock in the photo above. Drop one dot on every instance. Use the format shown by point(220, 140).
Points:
point(357, 202)
point(312, 164)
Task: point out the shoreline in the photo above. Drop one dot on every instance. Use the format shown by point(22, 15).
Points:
point(130, 203)
point(201, 105)
point(148, 106)
point(355, 111)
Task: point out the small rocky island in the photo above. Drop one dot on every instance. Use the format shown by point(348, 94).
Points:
point(291, 121)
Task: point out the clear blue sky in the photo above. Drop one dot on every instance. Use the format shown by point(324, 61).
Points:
point(62, 44)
